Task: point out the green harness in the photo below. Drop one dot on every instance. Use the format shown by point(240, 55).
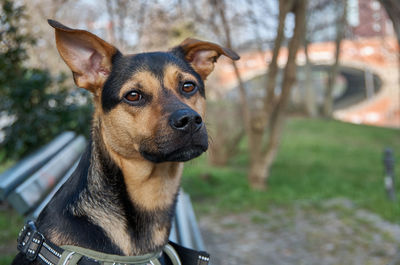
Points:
point(34, 246)
point(73, 254)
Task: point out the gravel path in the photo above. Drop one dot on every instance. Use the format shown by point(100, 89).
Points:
point(335, 233)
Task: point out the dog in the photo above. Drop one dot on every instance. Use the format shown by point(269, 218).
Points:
point(148, 120)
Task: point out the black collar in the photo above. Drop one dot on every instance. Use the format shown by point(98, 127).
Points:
point(34, 246)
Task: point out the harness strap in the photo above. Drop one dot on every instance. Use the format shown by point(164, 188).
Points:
point(36, 247)
point(73, 254)
point(191, 256)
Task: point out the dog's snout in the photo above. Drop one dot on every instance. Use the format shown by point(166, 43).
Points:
point(186, 120)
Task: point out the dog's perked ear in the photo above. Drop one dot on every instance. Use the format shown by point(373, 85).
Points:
point(88, 56)
point(203, 54)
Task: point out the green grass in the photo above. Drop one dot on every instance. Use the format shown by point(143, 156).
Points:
point(10, 225)
point(318, 160)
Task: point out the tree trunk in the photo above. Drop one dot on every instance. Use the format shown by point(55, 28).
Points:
point(333, 71)
point(243, 100)
point(256, 174)
point(257, 170)
point(285, 6)
point(260, 170)
point(309, 95)
point(246, 114)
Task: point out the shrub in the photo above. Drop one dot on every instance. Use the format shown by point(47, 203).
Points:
point(34, 106)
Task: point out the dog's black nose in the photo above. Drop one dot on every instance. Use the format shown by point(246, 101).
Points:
point(186, 120)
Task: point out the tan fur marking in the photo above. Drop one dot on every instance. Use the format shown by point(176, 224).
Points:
point(160, 235)
point(120, 130)
point(113, 226)
point(59, 239)
point(143, 80)
point(200, 106)
point(152, 186)
point(171, 82)
point(171, 77)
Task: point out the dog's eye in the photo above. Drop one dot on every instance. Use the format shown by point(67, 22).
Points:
point(133, 96)
point(189, 87)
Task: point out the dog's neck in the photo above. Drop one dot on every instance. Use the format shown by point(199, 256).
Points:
point(131, 200)
point(146, 205)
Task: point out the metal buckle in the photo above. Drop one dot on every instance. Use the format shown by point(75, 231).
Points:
point(30, 241)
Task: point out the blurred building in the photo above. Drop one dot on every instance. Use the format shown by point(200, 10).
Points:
point(368, 18)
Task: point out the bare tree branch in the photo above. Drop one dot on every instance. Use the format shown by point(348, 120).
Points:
point(340, 28)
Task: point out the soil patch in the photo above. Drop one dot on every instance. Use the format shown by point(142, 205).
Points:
point(335, 232)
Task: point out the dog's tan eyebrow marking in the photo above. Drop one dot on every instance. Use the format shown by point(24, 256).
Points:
point(143, 80)
point(134, 87)
point(173, 76)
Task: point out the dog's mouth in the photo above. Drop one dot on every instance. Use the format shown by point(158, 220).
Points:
point(175, 146)
point(179, 155)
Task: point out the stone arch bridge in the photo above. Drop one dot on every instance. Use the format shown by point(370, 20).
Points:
point(372, 63)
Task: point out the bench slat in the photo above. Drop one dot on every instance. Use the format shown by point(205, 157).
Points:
point(183, 227)
point(34, 215)
point(173, 236)
point(26, 167)
point(194, 228)
point(28, 194)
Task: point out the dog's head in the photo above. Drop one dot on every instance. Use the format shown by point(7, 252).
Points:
point(148, 104)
